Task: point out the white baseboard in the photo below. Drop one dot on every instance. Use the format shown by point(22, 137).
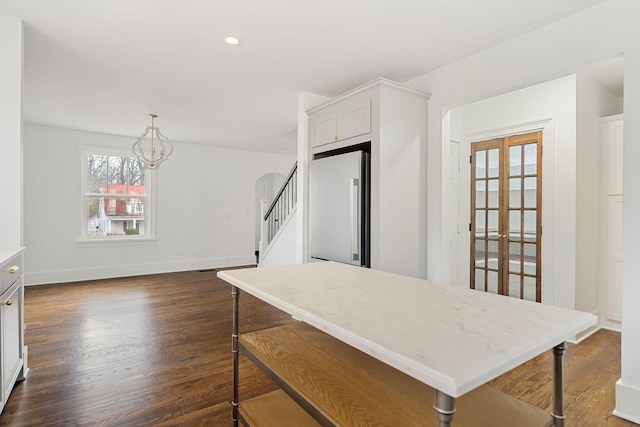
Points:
point(627, 398)
point(584, 335)
point(112, 271)
point(587, 332)
point(612, 325)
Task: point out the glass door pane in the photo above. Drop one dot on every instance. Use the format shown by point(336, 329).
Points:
point(485, 217)
point(523, 215)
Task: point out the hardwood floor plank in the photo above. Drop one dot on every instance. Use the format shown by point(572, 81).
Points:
point(156, 350)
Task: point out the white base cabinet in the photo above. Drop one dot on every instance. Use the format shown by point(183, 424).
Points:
point(12, 349)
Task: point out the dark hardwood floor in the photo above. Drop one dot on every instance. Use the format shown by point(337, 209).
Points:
point(155, 350)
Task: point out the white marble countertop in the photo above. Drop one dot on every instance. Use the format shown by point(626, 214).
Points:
point(451, 338)
point(6, 253)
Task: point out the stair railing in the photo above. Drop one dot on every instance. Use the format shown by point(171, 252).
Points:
point(280, 208)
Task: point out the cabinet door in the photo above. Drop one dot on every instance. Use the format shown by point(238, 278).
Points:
point(354, 120)
point(614, 259)
point(323, 129)
point(11, 336)
point(615, 157)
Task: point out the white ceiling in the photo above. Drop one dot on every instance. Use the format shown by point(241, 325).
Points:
point(104, 65)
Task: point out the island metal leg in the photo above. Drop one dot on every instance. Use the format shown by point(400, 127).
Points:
point(445, 406)
point(234, 349)
point(558, 384)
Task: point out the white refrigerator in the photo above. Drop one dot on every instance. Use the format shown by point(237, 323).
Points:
point(339, 208)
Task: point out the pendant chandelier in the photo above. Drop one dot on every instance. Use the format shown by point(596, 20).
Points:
point(153, 149)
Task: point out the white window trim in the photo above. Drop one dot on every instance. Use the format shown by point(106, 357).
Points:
point(150, 204)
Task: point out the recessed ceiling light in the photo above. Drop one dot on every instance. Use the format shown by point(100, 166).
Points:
point(232, 41)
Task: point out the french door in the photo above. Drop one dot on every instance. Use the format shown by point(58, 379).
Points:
point(506, 216)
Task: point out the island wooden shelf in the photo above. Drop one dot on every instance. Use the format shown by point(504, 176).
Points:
point(275, 409)
point(343, 386)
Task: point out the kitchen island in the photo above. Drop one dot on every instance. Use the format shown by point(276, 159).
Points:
point(416, 333)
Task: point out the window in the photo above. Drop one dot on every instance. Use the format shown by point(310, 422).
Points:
point(116, 197)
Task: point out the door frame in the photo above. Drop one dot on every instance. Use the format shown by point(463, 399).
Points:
point(547, 126)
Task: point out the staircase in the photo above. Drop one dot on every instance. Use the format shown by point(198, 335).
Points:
point(275, 218)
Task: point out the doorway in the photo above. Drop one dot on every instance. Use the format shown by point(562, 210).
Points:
point(506, 216)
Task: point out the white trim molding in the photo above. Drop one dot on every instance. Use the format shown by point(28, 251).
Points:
point(126, 270)
point(627, 398)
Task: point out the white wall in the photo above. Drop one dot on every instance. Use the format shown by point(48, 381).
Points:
point(11, 44)
point(205, 209)
point(400, 180)
point(552, 51)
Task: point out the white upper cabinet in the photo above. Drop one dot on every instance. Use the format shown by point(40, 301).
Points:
point(341, 121)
